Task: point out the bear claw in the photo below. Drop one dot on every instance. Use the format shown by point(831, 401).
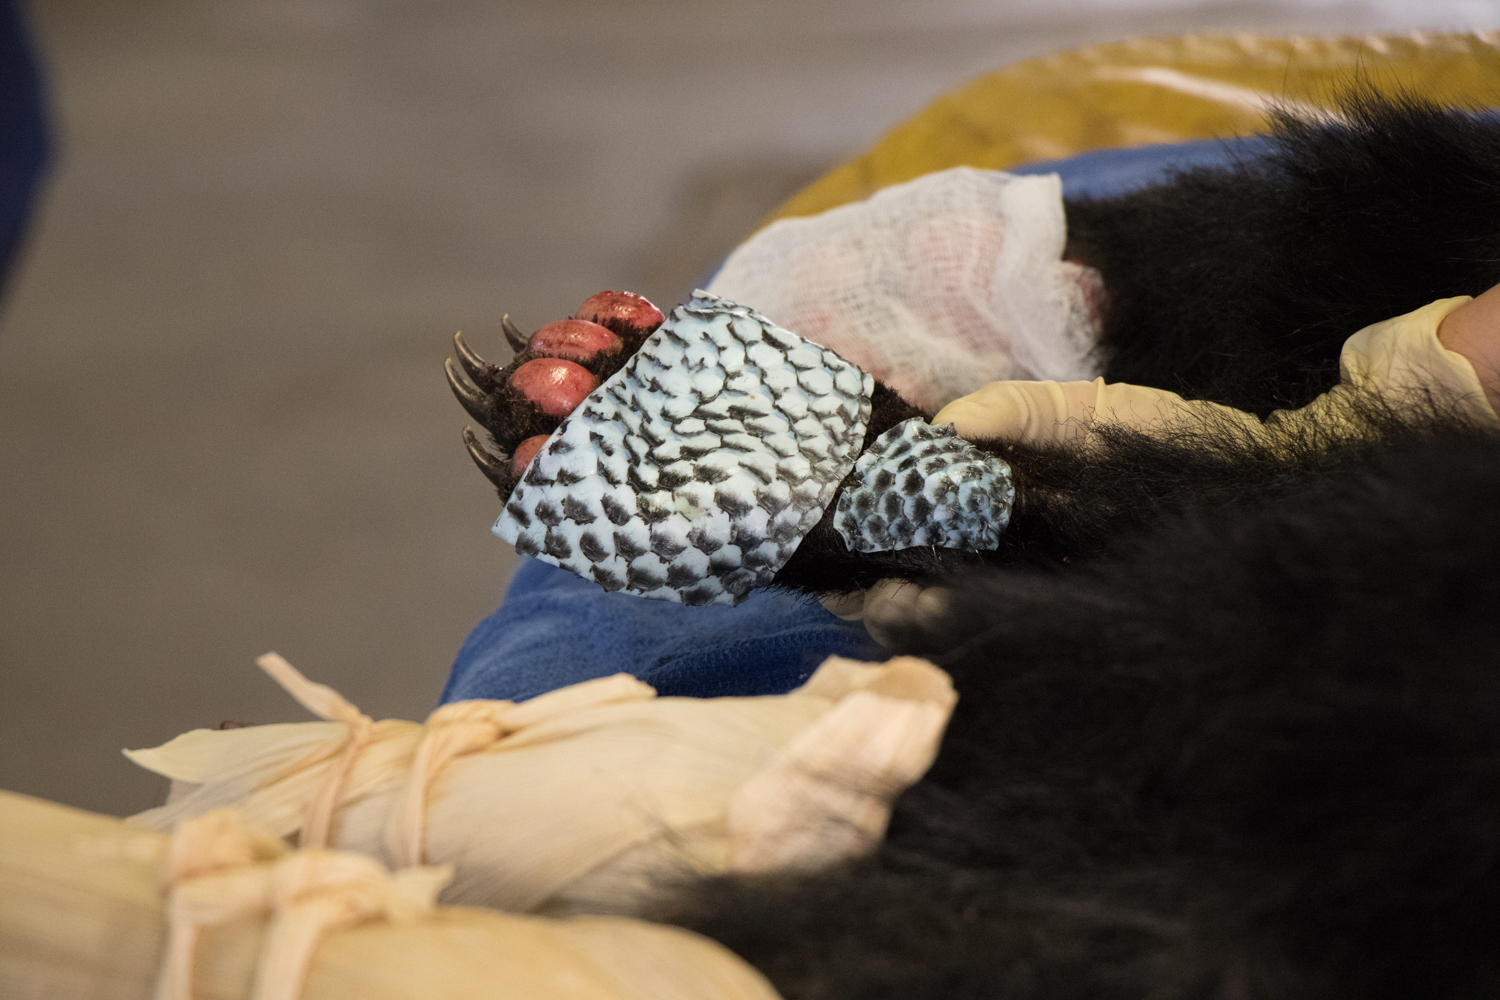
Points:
point(552, 372)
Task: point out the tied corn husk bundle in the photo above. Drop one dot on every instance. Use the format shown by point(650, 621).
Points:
point(586, 799)
point(92, 908)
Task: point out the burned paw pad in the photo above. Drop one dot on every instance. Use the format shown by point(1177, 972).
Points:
point(694, 472)
point(553, 371)
point(922, 485)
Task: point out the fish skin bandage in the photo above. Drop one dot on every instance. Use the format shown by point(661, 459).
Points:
point(924, 485)
point(694, 472)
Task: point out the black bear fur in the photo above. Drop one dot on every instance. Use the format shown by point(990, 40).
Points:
point(1240, 285)
point(1229, 717)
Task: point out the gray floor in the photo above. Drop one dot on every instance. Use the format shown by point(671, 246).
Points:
point(223, 428)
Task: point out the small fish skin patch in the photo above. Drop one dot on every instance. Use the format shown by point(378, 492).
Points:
point(694, 472)
point(922, 485)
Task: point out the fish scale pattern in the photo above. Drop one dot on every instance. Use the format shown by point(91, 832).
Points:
point(923, 485)
point(694, 472)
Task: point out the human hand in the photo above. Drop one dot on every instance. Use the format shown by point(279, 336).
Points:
point(1473, 330)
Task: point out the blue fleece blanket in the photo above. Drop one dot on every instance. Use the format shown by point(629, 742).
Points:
point(556, 629)
point(24, 144)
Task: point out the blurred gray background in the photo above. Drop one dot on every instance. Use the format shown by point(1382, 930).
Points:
point(223, 424)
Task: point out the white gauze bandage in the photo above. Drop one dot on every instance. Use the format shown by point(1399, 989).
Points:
point(936, 287)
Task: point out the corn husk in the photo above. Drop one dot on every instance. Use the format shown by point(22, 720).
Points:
point(592, 795)
point(83, 917)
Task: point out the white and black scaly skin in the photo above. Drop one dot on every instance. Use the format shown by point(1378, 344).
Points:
point(923, 485)
point(1234, 732)
point(694, 472)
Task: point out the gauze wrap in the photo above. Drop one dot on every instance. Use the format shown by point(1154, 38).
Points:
point(589, 798)
point(87, 903)
point(936, 287)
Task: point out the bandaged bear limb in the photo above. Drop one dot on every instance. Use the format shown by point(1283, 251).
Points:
point(716, 453)
point(690, 459)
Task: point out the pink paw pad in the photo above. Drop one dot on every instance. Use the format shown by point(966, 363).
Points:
point(636, 310)
point(577, 339)
point(554, 385)
point(525, 452)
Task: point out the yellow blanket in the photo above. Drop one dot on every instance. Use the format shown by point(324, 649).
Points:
point(1145, 91)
